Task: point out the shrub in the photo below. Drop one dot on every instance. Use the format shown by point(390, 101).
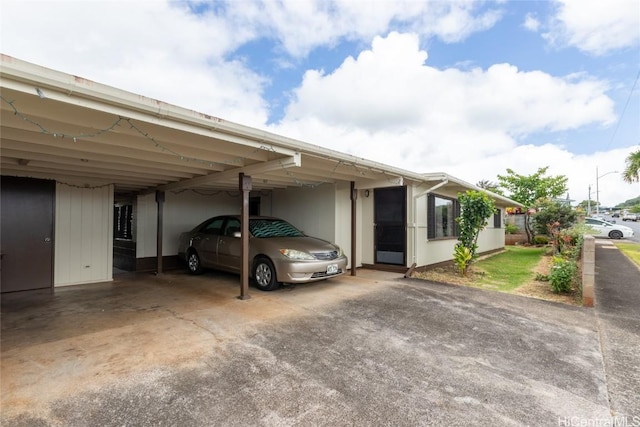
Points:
point(540, 240)
point(567, 244)
point(553, 212)
point(511, 229)
point(475, 209)
point(462, 257)
point(563, 273)
point(542, 277)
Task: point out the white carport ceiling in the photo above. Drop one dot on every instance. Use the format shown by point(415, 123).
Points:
point(58, 126)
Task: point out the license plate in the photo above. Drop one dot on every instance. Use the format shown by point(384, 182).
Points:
point(332, 268)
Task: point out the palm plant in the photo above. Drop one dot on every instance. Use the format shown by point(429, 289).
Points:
point(631, 172)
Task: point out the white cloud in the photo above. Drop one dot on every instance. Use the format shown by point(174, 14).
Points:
point(390, 87)
point(302, 25)
point(141, 46)
point(531, 23)
point(387, 105)
point(595, 26)
point(152, 48)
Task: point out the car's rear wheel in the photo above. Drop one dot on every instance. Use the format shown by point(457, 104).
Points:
point(264, 274)
point(615, 234)
point(193, 263)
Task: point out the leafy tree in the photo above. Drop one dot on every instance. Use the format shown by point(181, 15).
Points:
point(489, 185)
point(551, 212)
point(584, 205)
point(631, 172)
point(476, 208)
point(529, 190)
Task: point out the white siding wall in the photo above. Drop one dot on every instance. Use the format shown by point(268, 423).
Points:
point(83, 235)
point(323, 211)
point(312, 210)
point(146, 223)
point(492, 238)
point(425, 252)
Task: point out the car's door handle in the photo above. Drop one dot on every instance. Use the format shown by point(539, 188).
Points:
point(47, 239)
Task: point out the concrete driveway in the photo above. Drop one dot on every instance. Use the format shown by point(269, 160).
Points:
point(375, 349)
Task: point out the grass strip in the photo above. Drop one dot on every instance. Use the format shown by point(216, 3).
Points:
point(631, 250)
point(510, 269)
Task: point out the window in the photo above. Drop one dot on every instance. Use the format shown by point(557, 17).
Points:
point(441, 217)
point(122, 219)
point(497, 219)
point(213, 227)
point(232, 226)
point(273, 228)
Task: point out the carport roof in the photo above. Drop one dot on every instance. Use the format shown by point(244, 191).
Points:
point(79, 132)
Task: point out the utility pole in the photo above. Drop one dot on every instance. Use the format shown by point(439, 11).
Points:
point(598, 189)
point(597, 194)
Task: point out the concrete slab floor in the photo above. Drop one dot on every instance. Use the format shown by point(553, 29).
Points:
point(374, 349)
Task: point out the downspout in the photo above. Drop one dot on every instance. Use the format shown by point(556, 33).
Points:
point(354, 197)
point(445, 181)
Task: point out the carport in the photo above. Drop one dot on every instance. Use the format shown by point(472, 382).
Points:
point(99, 143)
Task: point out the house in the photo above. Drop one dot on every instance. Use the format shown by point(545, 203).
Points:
point(95, 179)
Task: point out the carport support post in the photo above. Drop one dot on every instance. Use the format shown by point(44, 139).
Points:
point(354, 198)
point(160, 202)
point(245, 187)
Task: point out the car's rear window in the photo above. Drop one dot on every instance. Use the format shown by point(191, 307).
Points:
point(273, 228)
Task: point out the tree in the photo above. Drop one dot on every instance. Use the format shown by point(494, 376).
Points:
point(489, 185)
point(475, 209)
point(586, 204)
point(551, 212)
point(631, 172)
point(529, 190)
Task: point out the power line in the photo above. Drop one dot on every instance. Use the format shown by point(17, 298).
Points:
point(624, 109)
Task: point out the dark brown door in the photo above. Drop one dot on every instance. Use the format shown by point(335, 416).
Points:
point(26, 242)
point(390, 207)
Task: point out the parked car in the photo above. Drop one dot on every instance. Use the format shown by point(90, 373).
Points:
point(630, 217)
point(278, 252)
point(615, 215)
point(606, 229)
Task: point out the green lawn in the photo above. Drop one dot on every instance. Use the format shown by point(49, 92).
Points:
point(631, 250)
point(508, 270)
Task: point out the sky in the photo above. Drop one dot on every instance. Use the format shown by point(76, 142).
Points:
point(469, 88)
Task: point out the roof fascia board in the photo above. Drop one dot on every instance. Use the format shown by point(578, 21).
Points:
point(84, 93)
point(442, 175)
point(391, 182)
